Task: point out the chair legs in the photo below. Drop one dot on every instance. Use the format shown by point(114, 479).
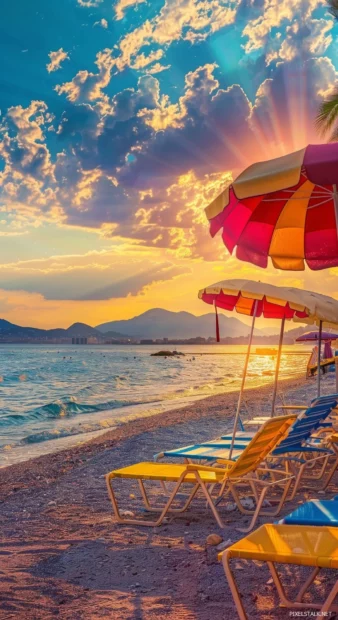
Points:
point(150, 508)
point(259, 495)
point(129, 521)
point(233, 587)
point(324, 607)
point(199, 485)
point(297, 603)
point(299, 472)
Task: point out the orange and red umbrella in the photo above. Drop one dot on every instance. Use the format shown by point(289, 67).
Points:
point(285, 208)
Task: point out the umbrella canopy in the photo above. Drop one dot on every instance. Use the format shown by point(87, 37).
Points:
point(274, 302)
point(260, 299)
point(285, 208)
point(314, 337)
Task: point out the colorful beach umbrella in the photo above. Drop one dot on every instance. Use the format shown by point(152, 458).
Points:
point(257, 299)
point(285, 209)
point(319, 337)
point(314, 337)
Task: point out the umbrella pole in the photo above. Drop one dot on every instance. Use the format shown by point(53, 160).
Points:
point(318, 363)
point(243, 379)
point(279, 355)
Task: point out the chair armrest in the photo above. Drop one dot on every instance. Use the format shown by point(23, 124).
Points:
point(300, 407)
point(273, 471)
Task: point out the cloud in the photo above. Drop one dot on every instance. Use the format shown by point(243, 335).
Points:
point(6, 233)
point(102, 22)
point(157, 68)
point(141, 165)
point(23, 141)
point(122, 5)
point(92, 276)
point(56, 60)
point(87, 86)
point(89, 3)
point(283, 30)
point(28, 174)
point(291, 99)
point(189, 20)
point(203, 133)
point(105, 141)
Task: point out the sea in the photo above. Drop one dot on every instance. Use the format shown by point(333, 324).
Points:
point(56, 396)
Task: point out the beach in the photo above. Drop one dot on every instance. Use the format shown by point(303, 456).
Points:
point(62, 554)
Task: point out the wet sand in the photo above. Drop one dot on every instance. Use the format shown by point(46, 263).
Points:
point(62, 555)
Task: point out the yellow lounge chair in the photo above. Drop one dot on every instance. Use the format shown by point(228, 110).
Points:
point(287, 544)
point(243, 469)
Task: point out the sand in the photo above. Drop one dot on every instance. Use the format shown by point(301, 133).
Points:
point(62, 555)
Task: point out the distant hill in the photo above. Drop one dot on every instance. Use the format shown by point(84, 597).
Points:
point(153, 324)
point(79, 330)
point(159, 323)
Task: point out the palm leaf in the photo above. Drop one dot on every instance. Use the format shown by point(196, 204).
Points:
point(333, 7)
point(328, 112)
point(334, 135)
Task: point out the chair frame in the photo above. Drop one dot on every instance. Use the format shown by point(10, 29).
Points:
point(167, 508)
point(298, 603)
point(229, 486)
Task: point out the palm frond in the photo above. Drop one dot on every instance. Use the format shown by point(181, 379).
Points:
point(334, 135)
point(333, 8)
point(328, 113)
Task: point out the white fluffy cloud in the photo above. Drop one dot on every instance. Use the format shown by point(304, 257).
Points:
point(102, 22)
point(89, 3)
point(56, 60)
point(87, 86)
point(284, 29)
point(122, 5)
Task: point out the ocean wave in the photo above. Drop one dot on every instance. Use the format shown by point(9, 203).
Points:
point(61, 433)
point(64, 408)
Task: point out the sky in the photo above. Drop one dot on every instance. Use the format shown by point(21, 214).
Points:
point(120, 121)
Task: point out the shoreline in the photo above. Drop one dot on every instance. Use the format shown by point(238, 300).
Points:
point(101, 422)
point(111, 437)
point(63, 555)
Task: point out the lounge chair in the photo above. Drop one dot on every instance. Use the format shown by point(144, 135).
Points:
point(333, 442)
point(316, 547)
point(315, 512)
point(295, 450)
point(227, 476)
point(219, 448)
point(306, 446)
point(318, 400)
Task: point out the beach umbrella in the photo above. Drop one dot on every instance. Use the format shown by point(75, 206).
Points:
point(285, 208)
point(257, 299)
point(326, 337)
point(314, 336)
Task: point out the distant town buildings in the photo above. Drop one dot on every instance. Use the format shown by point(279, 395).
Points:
point(80, 341)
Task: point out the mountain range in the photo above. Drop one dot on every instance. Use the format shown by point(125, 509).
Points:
point(153, 324)
point(159, 323)
point(80, 330)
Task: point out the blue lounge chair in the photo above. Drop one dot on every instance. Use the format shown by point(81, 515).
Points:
point(299, 432)
point(294, 450)
point(314, 512)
